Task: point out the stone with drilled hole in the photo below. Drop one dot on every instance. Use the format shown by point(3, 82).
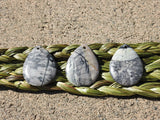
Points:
point(126, 67)
point(39, 67)
point(82, 67)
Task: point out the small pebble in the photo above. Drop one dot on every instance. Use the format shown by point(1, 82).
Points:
point(39, 67)
point(126, 67)
point(82, 67)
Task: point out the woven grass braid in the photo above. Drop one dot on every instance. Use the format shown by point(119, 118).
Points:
point(11, 63)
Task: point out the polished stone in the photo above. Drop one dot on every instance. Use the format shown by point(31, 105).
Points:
point(39, 67)
point(82, 67)
point(126, 67)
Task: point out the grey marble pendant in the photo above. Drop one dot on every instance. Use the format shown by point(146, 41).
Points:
point(39, 67)
point(126, 67)
point(82, 67)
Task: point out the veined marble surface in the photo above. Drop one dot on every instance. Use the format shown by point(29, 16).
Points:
point(126, 67)
point(82, 67)
point(39, 67)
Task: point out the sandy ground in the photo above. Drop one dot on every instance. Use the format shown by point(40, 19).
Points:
point(46, 22)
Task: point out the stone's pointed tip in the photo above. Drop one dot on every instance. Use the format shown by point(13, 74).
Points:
point(37, 48)
point(84, 46)
point(125, 46)
point(125, 52)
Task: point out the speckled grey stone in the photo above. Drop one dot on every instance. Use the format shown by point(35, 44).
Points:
point(39, 67)
point(126, 67)
point(82, 67)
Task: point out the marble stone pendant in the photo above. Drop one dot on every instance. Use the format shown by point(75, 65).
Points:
point(82, 67)
point(126, 67)
point(39, 67)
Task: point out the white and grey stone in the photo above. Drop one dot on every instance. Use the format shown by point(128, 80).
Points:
point(82, 67)
point(39, 67)
point(126, 67)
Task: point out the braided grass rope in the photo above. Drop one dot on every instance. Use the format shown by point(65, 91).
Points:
point(11, 63)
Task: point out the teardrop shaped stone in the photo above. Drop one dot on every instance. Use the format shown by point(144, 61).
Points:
point(82, 67)
point(126, 67)
point(39, 67)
